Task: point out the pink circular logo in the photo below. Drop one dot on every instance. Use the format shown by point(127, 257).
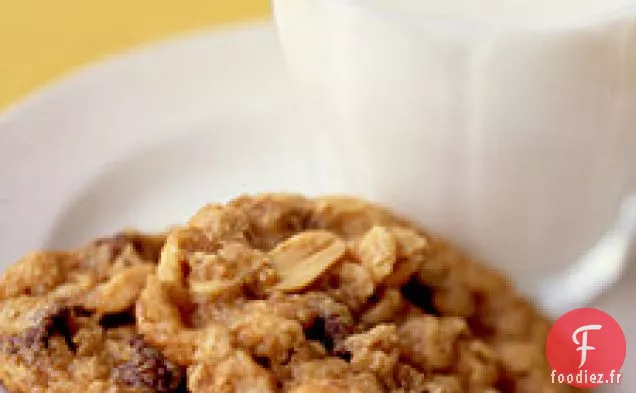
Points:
point(586, 348)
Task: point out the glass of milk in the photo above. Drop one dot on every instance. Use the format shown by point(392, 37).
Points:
point(508, 126)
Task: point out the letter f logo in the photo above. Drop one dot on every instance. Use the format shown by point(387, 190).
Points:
point(583, 344)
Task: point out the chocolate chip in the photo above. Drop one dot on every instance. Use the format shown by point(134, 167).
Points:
point(148, 369)
point(420, 295)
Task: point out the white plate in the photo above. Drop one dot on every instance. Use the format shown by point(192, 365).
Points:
point(146, 138)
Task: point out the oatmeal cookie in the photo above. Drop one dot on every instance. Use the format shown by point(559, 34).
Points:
point(273, 293)
point(67, 321)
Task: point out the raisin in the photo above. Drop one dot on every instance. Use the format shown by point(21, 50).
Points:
point(283, 226)
point(329, 330)
point(60, 320)
point(116, 243)
point(477, 324)
point(294, 221)
point(263, 361)
point(30, 344)
point(420, 295)
point(80, 311)
point(341, 352)
point(317, 332)
point(336, 328)
point(111, 321)
point(11, 344)
point(506, 384)
point(33, 337)
point(27, 346)
point(146, 246)
point(149, 370)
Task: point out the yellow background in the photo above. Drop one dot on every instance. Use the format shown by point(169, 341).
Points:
point(41, 40)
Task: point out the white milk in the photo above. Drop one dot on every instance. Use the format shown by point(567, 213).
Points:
point(507, 126)
point(519, 12)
